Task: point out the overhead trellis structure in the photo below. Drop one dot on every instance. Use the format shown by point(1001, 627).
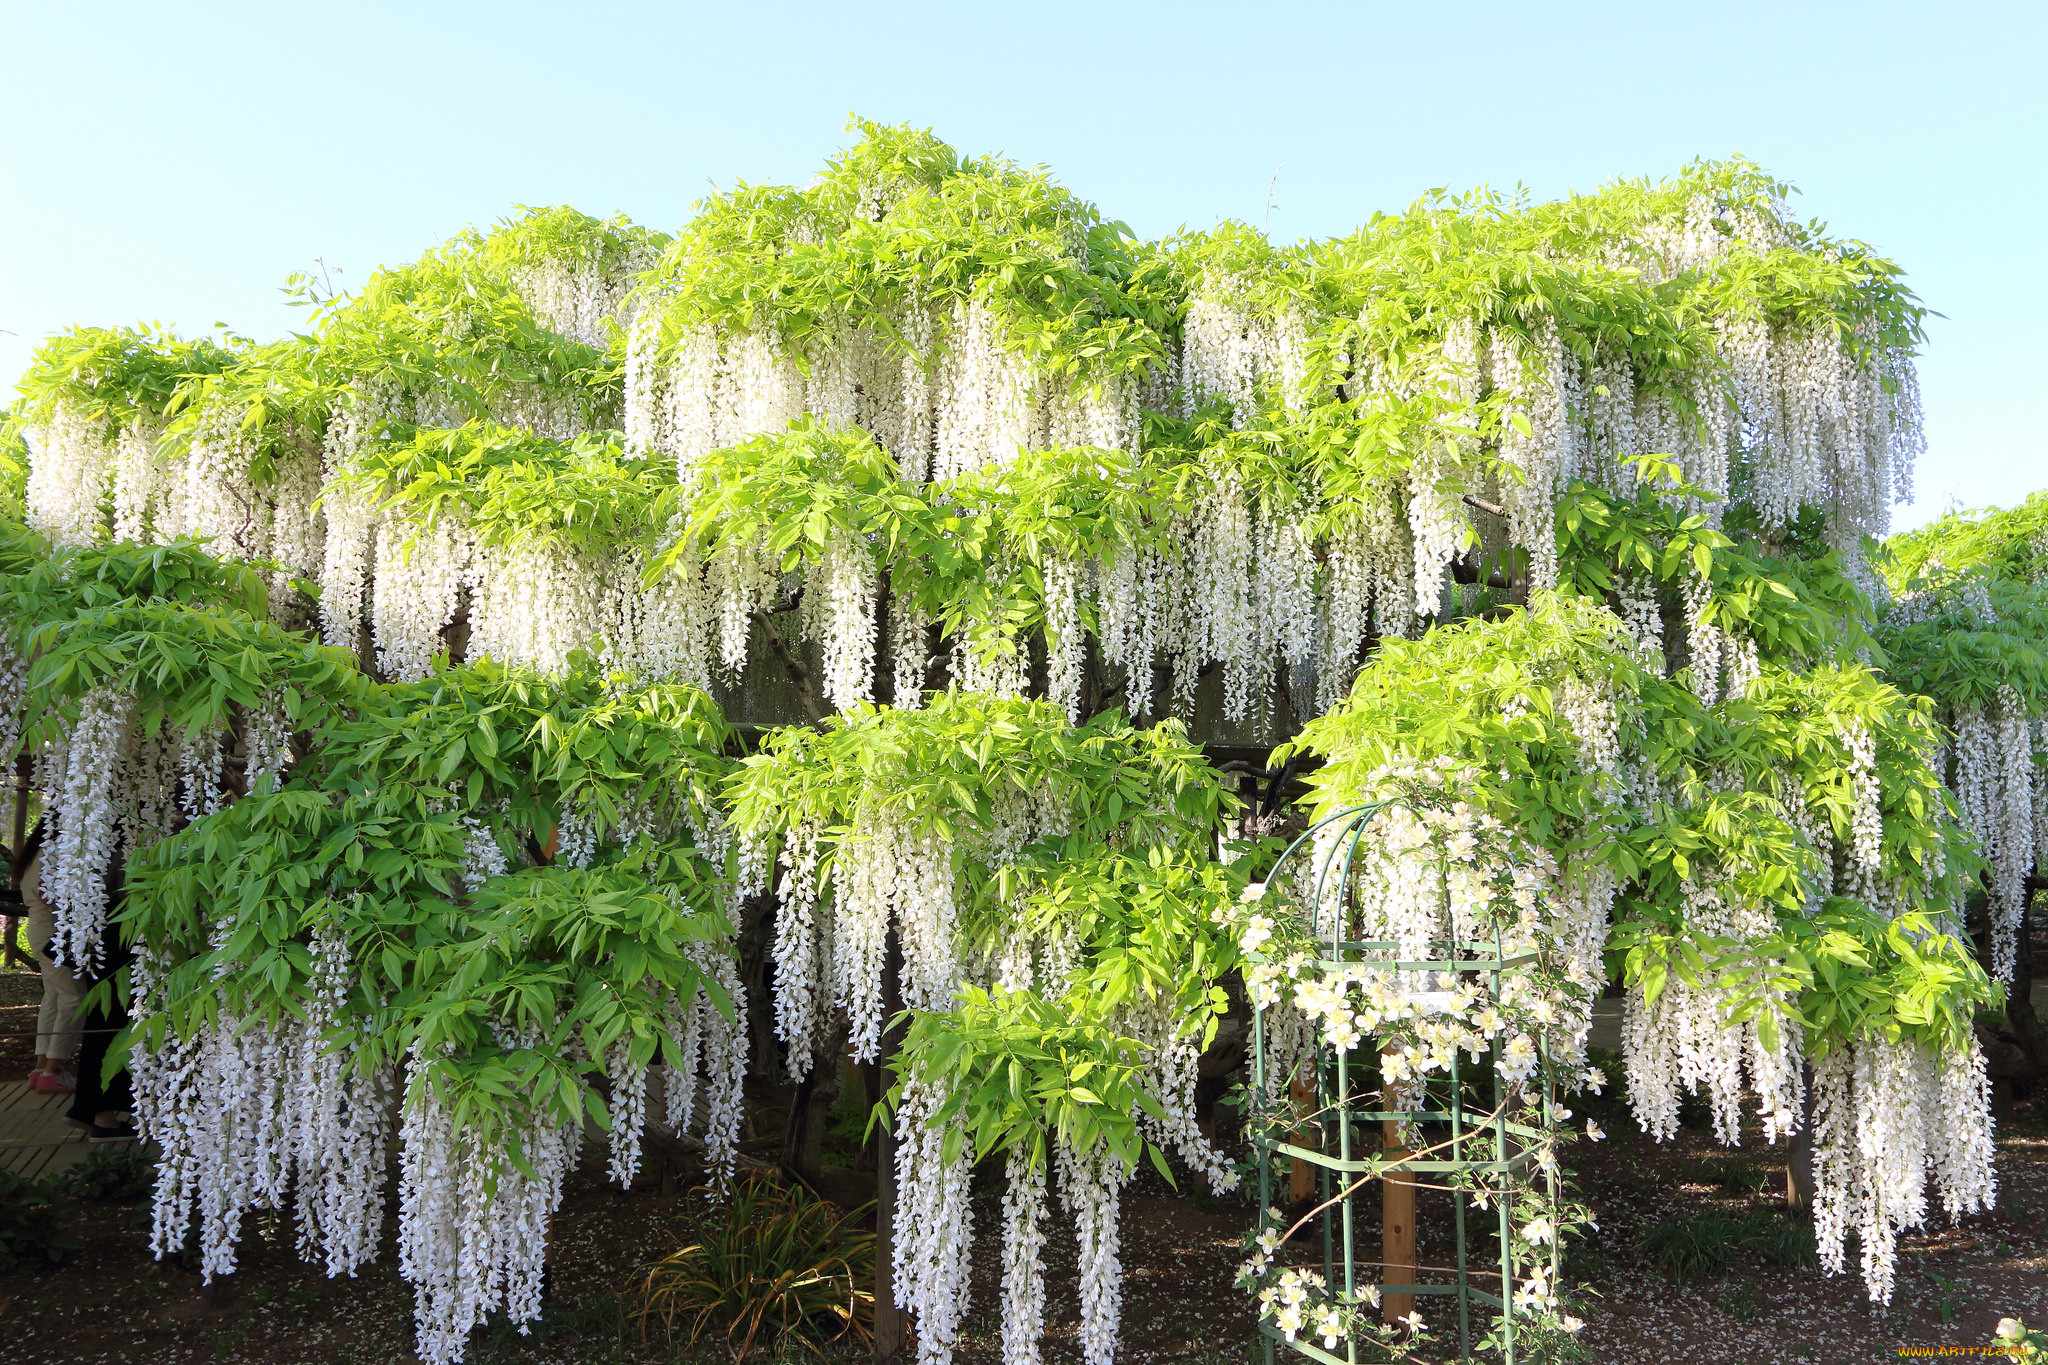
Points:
point(587, 658)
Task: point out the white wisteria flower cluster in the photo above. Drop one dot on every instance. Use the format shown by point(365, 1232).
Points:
point(1889, 1119)
point(944, 390)
point(472, 1227)
point(109, 789)
point(251, 1113)
point(1998, 781)
point(934, 1223)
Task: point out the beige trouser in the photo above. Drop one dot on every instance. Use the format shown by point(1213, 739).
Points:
point(57, 1035)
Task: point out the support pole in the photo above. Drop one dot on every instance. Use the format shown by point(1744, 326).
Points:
point(1261, 1134)
point(1397, 1228)
point(1301, 1177)
point(891, 1331)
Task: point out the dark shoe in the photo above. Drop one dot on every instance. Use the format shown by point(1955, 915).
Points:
point(120, 1132)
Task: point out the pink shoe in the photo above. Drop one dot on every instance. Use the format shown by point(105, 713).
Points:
point(54, 1083)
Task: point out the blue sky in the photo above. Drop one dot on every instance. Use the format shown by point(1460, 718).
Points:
point(175, 163)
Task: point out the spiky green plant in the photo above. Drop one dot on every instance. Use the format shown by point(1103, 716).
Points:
point(776, 1258)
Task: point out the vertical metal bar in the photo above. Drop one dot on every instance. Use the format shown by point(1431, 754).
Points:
point(1262, 1135)
point(1457, 1109)
point(1322, 872)
point(1344, 1121)
point(1550, 1174)
point(1322, 1171)
point(1500, 1147)
point(1343, 1112)
point(1344, 1152)
point(1344, 884)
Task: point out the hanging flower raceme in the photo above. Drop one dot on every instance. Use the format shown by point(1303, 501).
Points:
point(69, 477)
point(1887, 1115)
point(1973, 640)
point(472, 1226)
point(908, 804)
point(934, 1218)
point(798, 510)
point(261, 1069)
point(1077, 1120)
point(124, 708)
point(84, 789)
point(1033, 918)
point(642, 953)
point(244, 1071)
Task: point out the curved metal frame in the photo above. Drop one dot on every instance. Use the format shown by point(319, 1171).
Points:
point(1513, 1145)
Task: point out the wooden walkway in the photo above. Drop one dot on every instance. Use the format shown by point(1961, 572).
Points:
point(34, 1139)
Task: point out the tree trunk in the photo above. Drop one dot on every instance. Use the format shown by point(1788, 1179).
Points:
point(1799, 1182)
point(1301, 1176)
point(756, 932)
point(891, 1330)
point(803, 1147)
point(2018, 1052)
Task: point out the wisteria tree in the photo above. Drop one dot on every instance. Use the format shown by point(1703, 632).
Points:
point(588, 657)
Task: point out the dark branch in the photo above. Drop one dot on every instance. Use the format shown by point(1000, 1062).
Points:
point(798, 674)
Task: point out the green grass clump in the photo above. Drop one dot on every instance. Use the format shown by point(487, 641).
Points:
point(780, 1267)
point(1708, 1246)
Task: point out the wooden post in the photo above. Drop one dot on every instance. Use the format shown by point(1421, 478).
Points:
point(1397, 1228)
point(1301, 1177)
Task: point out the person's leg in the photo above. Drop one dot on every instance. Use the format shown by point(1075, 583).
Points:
point(94, 1104)
point(60, 982)
point(57, 1018)
point(48, 1022)
point(100, 1107)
